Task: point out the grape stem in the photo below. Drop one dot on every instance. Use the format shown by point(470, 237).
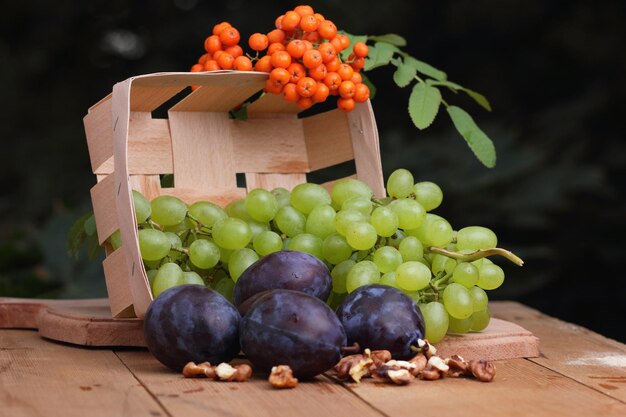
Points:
point(478, 254)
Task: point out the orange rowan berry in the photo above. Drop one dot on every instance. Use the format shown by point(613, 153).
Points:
point(309, 23)
point(258, 42)
point(296, 48)
point(272, 87)
point(279, 76)
point(327, 29)
point(358, 64)
point(308, 45)
point(204, 58)
point(276, 35)
point(197, 68)
point(307, 86)
point(318, 73)
point(242, 63)
point(345, 104)
point(312, 58)
point(346, 89)
point(226, 60)
point(321, 94)
point(356, 78)
point(296, 71)
point(290, 20)
point(304, 10)
point(320, 18)
point(217, 29)
point(279, 21)
point(333, 64)
point(332, 81)
point(361, 93)
point(281, 59)
point(360, 49)
point(345, 71)
point(212, 44)
point(230, 36)
point(290, 92)
point(328, 51)
point(275, 47)
point(211, 65)
point(217, 54)
point(312, 37)
point(234, 50)
point(344, 40)
point(264, 64)
point(305, 103)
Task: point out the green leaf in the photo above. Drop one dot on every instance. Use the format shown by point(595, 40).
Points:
point(77, 235)
point(454, 86)
point(477, 140)
point(404, 75)
point(424, 104)
point(478, 98)
point(368, 83)
point(353, 39)
point(379, 55)
point(426, 69)
point(391, 38)
point(90, 225)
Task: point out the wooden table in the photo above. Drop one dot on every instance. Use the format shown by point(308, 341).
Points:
point(578, 373)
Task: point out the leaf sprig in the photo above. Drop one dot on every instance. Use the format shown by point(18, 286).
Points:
point(426, 98)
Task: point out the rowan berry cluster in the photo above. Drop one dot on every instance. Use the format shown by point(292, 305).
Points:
point(302, 57)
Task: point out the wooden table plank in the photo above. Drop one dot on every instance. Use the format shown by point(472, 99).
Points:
point(43, 378)
point(521, 388)
point(255, 397)
point(578, 353)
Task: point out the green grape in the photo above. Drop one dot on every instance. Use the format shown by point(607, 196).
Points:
point(335, 249)
point(168, 210)
point(306, 196)
point(361, 236)
point(257, 227)
point(116, 239)
point(306, 242)
point(490, 276)
point(389, 278)
point(476, 237)
point(465, 274)
point(340, 275)
point(443, 263)
point(363, 273)
point(358, 203)
point(479, 298)
point(321, 221)
point(169, 275)
point(239, 261)
point(413, 276)
point(434, 231)
point(411, 249)
point(459, 326)
point(385, 221)
point(181, 227)
point(238, 210)
point(142, 207)
point(480, 320)
point(458, 301)
point(282, 196)
point(225, 254)
point(290, 221)
point(428, 194)
point(387, 259)
point(226, 287)
point(410, 213)
point(261, 205)
point(231, 233)
point(177, 246)
point(348, 188)
point(345, 218)
point(153, 264)
point(396, 238)
point(400, 183)
point(204, 254)
point(267, 242)
point(151, 273)
point(190, 277)
point(436, 321)
point(335, 299)
point(153, 244)
point(207, 213)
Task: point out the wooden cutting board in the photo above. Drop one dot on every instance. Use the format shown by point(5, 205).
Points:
point(89, 323)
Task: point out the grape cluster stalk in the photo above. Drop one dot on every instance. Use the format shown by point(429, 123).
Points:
point(395, 241)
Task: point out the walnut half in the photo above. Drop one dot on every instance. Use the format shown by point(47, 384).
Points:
point(482, 370)
point(204, 369)
point(282, 377)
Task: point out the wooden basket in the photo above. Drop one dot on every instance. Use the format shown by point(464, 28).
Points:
point(205, 149)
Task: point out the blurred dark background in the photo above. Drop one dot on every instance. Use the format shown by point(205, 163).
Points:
point(553, 72)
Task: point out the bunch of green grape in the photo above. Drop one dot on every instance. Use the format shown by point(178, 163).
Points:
point(393, 241)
